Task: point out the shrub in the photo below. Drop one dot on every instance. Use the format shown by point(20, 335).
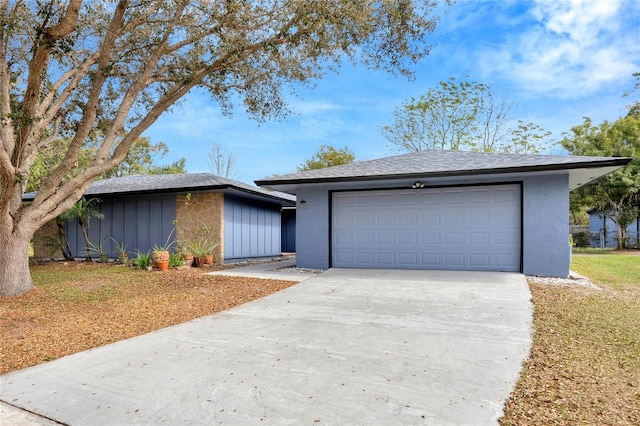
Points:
point(175, 260)
point(581, 239)
point(142, 260)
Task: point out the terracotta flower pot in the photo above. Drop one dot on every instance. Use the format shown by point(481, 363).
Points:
point(199, 261)
point(163, 265)
point(208, 259)
point(188, 260)
point(158, 256)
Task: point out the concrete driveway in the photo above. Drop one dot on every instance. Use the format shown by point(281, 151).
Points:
point(344, 347)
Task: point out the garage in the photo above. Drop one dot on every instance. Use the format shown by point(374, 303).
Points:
point(432, 209)
point(456, 228)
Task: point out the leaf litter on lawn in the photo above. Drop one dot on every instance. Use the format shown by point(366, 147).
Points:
point(77, 306)
point(584, 366)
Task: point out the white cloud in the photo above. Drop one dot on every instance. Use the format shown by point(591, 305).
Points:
point(576, 48)
point(313, 107)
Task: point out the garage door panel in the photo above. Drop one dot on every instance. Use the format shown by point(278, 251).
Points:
point(386, 258)
point(431, 198)
point(431, 260)
point(479, 196)
point(482, 260)
point(454, 261)
point(364, 258)
point(469, 228)
point(454, 197)
point(479, 238)
point(430, 238)
point(454, 218)
point(408, 259)
point(407, 199)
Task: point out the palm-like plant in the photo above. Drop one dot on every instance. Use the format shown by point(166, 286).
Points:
point(84, 210)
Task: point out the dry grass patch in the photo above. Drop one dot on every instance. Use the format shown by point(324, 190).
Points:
point(585, 360)
point(78, 306)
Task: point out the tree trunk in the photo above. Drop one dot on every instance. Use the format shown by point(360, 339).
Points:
point(15, 277)
point(619, 229)
point(620, 235)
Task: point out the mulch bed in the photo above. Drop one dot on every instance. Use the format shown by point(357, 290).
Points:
point(103, 307)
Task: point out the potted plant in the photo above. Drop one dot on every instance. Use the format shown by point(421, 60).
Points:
point(99, 249)
point(121, 249)
point(211, 247)
point(185, 254)
point(199, 249)
point(160, 253)
point(162, 265)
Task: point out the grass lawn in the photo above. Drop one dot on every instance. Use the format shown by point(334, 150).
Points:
point(585, 360)
point(78, 306)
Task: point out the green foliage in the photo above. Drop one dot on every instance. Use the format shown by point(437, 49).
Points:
point(328, 156)
point(121, 247)
point(527, 138)
point(141, 159)
point(99, 247)
point(142, 260)
point(614, 193)
point(581, 239)
point(201, 247)
point(83, 210)
point(462, 115)
point(175, 260)
point(50, 156)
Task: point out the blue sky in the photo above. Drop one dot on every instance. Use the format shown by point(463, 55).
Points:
point(557, 61)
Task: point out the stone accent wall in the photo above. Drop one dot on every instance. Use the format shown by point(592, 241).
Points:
point(193, 210)
point(42, 247)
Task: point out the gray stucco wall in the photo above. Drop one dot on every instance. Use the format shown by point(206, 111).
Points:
point(545, 219)
point(312, 227)
point(546, 250)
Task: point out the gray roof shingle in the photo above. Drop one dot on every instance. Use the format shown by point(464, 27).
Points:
point(177, 182)
point(442, 163)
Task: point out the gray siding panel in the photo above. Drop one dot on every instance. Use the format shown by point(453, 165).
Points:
point(288, 230)
point(597, 228)
point(139, 222)
point(250, 229)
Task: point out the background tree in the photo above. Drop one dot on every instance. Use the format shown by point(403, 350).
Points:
point(77, 69)
point(328, 156)
point(526, 138)
point(221, 163)
point(141, 160)
point(462, 115)
point(612, 194)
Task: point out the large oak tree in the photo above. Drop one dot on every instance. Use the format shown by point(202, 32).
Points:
point(88, 70)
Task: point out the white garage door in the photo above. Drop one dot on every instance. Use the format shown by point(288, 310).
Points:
point(458, 228)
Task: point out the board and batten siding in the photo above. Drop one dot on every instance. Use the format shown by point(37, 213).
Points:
point(250, 229)
point(139, 222)
point(598, 227)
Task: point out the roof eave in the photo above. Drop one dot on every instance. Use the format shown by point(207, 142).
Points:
point(449, 173)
